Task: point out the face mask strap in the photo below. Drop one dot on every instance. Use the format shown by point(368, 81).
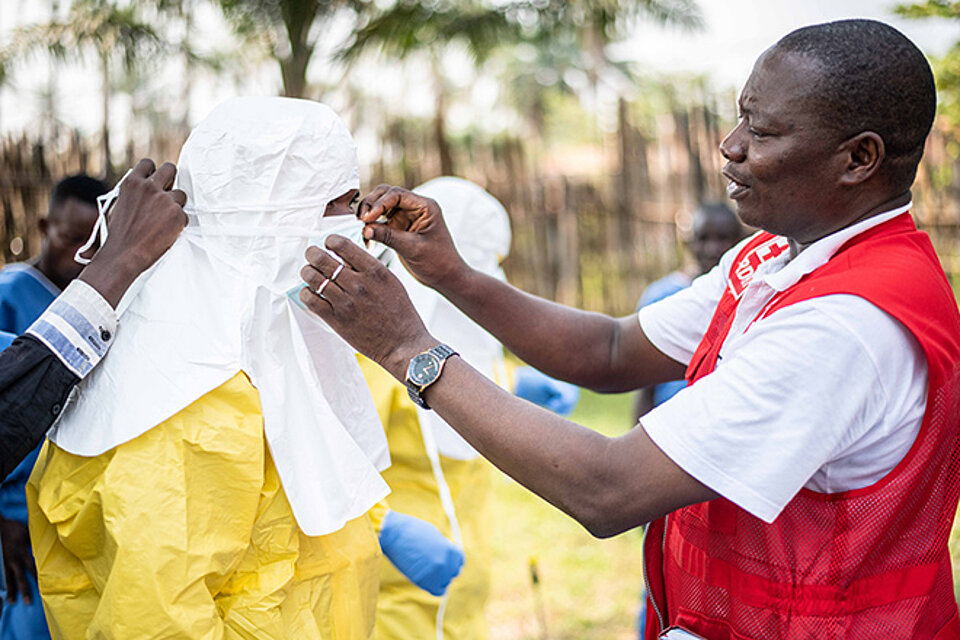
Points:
point(100, 232)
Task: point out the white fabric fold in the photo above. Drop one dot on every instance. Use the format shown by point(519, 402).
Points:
point(258, 173)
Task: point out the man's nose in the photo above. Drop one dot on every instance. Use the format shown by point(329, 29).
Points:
point(734, 147)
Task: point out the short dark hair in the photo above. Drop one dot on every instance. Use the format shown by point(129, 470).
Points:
point(80, 187)
point(873, 78)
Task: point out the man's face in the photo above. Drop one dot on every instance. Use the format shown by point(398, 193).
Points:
point(784, 163)
point(711, 236)
point(65, 230)
point(344, 205)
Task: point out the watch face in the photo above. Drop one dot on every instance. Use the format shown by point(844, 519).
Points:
point(424, 369)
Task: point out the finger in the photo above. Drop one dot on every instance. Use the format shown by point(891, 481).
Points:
point(179, 197)
point(312, 277)
point(11, 585)
point(383, 205)
point(317, 304)
point(370, 198)
point(352, 255)
point(25, 588)
point(400, 241)
point(144, 168)
point(31, 564)
point(321, 260)
point(165, 175)
point(20, 579)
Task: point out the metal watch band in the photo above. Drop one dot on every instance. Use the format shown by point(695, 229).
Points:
point(442, 352)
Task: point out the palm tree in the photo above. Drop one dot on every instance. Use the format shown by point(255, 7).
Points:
point(409, 28)
point(101, 28)
point(288, 30)
point(595, 24)
point(573, 34)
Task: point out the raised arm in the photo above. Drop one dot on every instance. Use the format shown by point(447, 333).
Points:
point(588, 349)
point(41, 368)
point(607, 484)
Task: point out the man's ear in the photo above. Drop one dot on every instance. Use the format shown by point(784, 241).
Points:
point(862, 155)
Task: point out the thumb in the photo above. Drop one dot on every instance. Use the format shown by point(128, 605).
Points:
point(403, 242)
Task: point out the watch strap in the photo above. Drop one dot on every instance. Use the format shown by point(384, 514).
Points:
point(415, 391)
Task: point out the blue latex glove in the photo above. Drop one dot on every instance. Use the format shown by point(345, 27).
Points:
point(420, 552)
point(541, 389)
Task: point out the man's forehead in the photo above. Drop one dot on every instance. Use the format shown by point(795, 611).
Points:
point(780, 81)
point(73, 211)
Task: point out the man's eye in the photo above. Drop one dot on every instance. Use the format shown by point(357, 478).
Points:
point(757, 134)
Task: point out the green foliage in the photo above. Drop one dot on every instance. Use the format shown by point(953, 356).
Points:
point(286, 30)
point(946, 69)
point(98, 26)
point(407, 27)
point(613, 18)
point(929, 9)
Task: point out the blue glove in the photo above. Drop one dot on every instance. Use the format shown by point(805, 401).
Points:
point(420, 552)
point(541, 389)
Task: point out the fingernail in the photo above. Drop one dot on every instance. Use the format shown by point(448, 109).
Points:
point(368, 233)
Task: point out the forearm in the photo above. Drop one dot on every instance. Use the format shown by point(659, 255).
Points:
point(584, 348)
point(112, 275)
point(34, 386)
point(607, 485)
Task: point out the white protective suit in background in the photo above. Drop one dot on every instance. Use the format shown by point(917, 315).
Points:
point(436, 475)
point(161, 466)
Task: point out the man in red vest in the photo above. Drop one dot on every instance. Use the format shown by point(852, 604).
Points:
point(805, 483)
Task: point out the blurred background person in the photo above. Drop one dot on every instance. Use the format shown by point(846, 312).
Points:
point(26, 290)
point(714, 228)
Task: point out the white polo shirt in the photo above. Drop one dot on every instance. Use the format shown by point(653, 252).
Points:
point(828, 393)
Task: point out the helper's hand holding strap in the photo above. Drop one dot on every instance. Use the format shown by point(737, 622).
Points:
point(420, 552)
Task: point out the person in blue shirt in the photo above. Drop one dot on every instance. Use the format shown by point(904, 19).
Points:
point(714, 229)
point(26, 290)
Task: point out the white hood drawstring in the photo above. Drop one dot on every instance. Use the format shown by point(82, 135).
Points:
point(104, 203)
point(480, 228)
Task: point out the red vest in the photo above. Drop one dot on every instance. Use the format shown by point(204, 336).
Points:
point(867, 563)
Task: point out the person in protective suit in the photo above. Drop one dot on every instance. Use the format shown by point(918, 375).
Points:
point(435, 475)
point(213, 477)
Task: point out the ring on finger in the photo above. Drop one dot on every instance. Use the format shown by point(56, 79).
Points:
point(323, 285)
point(336, 272)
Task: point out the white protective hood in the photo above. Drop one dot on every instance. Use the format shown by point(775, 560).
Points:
point(480, 228)
point(258, 174)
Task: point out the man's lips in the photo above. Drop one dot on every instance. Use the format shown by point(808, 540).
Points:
point(736, 189)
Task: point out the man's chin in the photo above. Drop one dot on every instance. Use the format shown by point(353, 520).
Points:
point(748, 215)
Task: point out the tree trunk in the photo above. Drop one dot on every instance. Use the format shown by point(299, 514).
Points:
point(440, 119)
point(189, 68)
point(298, 18)
point(440, 135)
point(105, 135)
point(294, 70)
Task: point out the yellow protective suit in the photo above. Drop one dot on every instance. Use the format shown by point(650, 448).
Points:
point(185, 532)
point(404, 611)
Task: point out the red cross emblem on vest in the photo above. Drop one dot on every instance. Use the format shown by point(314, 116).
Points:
point(743, 274)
